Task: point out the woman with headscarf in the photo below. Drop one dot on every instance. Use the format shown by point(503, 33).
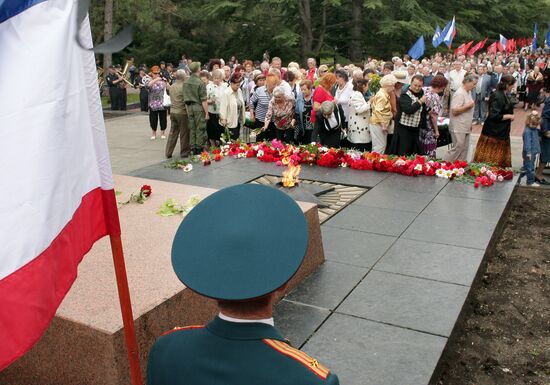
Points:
point(382, 113)
point(493, 145)
point(330, 123)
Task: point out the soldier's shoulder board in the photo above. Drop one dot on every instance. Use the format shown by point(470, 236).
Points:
point(179, 328)
point(307, 361)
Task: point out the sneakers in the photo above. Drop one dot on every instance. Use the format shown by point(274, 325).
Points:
point(534, 184)
point(153, 137)
point(163, 136)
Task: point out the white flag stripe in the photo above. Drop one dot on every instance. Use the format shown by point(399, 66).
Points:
point(48, 162)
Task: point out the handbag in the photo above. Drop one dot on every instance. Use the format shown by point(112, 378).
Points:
point(166, 101)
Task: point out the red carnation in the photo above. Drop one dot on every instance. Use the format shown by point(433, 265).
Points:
point(146, 190)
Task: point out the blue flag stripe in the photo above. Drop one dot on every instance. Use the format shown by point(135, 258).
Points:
point(10, 8)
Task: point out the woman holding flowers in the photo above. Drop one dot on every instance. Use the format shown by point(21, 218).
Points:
point(428, 135)
point(281, 112)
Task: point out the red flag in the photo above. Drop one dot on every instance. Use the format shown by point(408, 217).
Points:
point(477, 47)
point(493, 47)
point(511, 45)
point(463, 48)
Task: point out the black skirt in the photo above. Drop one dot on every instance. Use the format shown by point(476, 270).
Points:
point(404, 141)
point(213, 128)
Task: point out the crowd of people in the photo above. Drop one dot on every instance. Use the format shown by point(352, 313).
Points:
point(392, 107)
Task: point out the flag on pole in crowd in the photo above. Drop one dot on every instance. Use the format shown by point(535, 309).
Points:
point(449, 33)
point(547, 40)
point(436, 39)
point(417, 50)
point(492, 48)
point(463, 48)
point(535, 34)
point(502, 43)
point(511, 45)
point(57, 184)
point(477, 47)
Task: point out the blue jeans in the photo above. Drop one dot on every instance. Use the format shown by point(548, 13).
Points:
point(529, 168)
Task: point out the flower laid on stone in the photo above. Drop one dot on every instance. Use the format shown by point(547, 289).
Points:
point(205, 158)
point(170, 207)
point(140, 197)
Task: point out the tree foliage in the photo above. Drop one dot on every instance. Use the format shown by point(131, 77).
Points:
point(295, 29)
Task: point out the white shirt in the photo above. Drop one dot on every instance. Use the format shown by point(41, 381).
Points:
point(456, 78)
point(342, 97)
point(286, 87)
point(267, 321)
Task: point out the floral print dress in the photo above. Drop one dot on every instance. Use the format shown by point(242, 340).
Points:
point(428, 141)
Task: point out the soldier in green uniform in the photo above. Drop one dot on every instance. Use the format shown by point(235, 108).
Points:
point(194, 94)
point(229, 260)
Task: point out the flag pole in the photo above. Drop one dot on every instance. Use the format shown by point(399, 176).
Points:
point(126, 309)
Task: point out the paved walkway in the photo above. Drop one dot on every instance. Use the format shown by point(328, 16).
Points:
point(400, 260)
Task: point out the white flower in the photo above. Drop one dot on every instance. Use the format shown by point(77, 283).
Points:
point(460, 171)
point(323, 149)
point(255, 147)
point(418, 167)
point(456, 171)
point(493, 176)
point(400, 162)
point(440, 173)
point(344, 164)
point(500, 178)
point(260, 153)
point(241, 155)
point(483, 170)
point(188, 168)
point(448, 174)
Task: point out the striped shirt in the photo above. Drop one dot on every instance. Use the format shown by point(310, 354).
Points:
point(259, 101)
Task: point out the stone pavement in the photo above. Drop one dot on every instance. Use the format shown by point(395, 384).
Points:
point(400, 260)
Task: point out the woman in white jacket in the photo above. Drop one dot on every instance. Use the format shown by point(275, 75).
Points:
point(359, 116)
point(232, 109)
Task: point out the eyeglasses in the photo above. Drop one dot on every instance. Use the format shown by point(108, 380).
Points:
point(156, 73)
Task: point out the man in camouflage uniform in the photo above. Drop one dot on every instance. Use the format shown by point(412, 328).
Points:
point(194, 94)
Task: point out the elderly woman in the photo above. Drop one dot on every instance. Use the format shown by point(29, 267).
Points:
point(157, 112)
point(462, 112)
point(410, 119)
point(359, 114)
point(382, 113)
point(281, 111)
point(343, 92)
point(535, 82)
point(303, 110)
point(322, 94)
point(259, 103)
point(214, 93)
point(493, 145)
point(232, 109)
point(330, 123)
point(430, 133)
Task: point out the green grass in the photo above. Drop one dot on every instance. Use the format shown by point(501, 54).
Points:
point(132, 98)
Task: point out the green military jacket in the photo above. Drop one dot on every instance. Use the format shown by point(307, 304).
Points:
point(229, 353)
point(194, 90)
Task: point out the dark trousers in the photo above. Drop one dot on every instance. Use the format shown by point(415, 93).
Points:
point(286, 136)
point(528, 168)
point(154, 117)
point(115, 95)
point(144, 99)
point(179, 127)
point(123, 99)
point(268, 134)
point(235, 132)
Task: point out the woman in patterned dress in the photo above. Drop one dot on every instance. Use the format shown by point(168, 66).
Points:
point(428, 135)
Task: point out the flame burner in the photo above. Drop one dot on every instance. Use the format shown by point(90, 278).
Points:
point(329, 197)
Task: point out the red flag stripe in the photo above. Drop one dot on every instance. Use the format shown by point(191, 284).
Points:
point(30, 296)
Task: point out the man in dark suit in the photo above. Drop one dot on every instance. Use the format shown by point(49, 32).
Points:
point(229, 260)
point(496, 76)
point(481, 94)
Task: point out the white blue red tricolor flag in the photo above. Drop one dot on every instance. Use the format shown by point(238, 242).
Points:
point(57, 194)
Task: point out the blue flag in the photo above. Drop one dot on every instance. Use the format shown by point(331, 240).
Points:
point(436, 39)
point(535, 34)
point(547, 42)
point(417, 50)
